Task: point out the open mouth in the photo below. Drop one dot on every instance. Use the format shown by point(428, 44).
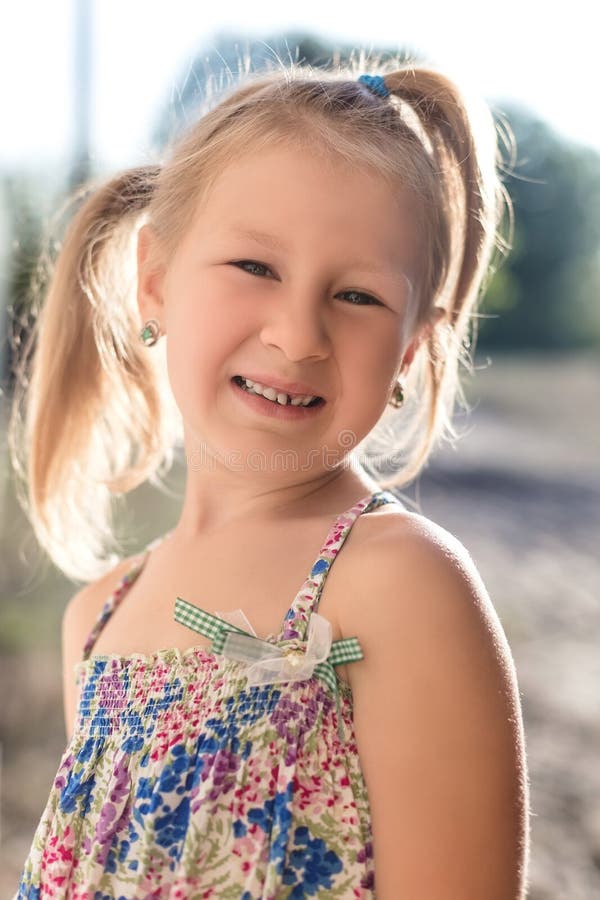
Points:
point(317, 401)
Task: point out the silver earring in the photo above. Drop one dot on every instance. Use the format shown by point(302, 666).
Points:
point(150, 333)
point(397, 396)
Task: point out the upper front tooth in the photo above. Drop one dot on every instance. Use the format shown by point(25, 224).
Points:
point(272, 394)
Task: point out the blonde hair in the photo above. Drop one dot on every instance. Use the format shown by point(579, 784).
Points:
point(93, 415)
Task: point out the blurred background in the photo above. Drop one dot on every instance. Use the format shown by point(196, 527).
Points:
point(92, 87)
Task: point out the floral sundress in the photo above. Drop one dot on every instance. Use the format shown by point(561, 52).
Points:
point(182, 780)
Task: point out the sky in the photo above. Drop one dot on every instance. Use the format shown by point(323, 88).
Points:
point(503, 52)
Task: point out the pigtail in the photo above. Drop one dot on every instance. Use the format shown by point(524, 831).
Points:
point(88, 397)
point(461, 147)
point(460, 162)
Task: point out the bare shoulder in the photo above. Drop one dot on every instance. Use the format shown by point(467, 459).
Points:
point(426, 596)
point(84, 607)
point(437, 718)
point(413, 567)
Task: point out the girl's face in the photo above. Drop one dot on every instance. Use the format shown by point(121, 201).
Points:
point(293, 270)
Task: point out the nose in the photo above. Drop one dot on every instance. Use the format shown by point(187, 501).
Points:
point(296, 326)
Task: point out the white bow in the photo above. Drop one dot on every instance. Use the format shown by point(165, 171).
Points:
point(269, 663)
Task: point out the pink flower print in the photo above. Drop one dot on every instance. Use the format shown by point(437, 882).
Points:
point(303, 795)
point(243, 846)
point(177, 738)
point(55, 853)
point(162, 745)
point(158, 680)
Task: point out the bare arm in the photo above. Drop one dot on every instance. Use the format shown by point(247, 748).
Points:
point(438, 723)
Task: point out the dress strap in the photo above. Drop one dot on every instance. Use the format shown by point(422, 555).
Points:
point(308, 597)
point(269, 664)
point(116, 597)
point(295, 623)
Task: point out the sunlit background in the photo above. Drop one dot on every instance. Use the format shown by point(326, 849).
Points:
point(91, 87)
point(138, 52)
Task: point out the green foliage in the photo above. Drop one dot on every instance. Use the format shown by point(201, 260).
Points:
point(26, 203)
point(546, 295)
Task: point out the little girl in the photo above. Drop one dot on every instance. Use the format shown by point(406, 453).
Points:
point(245, 719)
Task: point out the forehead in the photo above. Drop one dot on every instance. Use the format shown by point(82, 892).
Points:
point(289, 197)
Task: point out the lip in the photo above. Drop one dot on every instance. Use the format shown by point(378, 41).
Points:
point(294, 388)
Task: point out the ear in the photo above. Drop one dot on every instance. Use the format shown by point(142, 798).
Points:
point(150, 275)
point(436, 314)
point(409, 353)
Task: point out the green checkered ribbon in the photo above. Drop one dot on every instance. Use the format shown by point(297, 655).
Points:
point(272, 663)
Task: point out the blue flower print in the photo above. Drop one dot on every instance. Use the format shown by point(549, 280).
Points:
point(100, 896)
point(281, 827)
point(33, 893)
point(321, 565)
point(171, 828)
point(240, 829)
point(132, 743)
point(76, 788)
point(315, 863)
point(275, 818)
point(87, 749)
point(171, 774)
point(251, 704)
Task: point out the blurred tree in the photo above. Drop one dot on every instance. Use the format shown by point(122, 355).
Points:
point(25, 199)
point(546, 295)
point(230, 55)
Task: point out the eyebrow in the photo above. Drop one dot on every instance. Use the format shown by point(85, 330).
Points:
point(261, 237)
point(274, 243)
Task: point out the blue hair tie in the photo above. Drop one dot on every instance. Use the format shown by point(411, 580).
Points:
point(375, 83)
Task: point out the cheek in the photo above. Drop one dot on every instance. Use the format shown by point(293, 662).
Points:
point(380, 354)
point(203, 335)
point(209, 303)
